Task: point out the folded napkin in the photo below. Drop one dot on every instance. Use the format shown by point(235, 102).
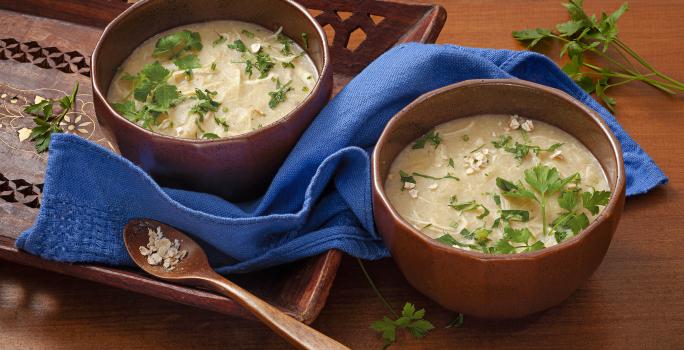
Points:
point(321, 197)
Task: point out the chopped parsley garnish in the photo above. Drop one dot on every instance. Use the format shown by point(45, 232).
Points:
point(515, 215)
point(213, 66)
point(220, 40)
point(247, 33)
point(432, 137)
point(447, 176)
point(238, 46)
point(288, 65)
point(222, 122)
point(406, 178)
point(465, 138)
point(451, 162)
point(287, 44)
point(280, 94)
point(305, 89)
point(305, 40)
point(205, 103)
point(478, 148)
point(210, 136)
point(172, 45)
point(521, 150)
point(467, 206)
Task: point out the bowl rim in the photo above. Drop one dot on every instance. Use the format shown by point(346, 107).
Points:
point(326, 71)
point(617, 190)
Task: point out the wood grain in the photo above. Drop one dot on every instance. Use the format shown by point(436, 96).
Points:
point(634, 301)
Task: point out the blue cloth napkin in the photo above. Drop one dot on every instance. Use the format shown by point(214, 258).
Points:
point(321, 197)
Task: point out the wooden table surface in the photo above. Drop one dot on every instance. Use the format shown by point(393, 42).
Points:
point(634, 301)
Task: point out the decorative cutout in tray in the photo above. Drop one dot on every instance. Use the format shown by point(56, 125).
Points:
point(45, 48)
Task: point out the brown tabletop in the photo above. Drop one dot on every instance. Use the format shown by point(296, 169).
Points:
point(634, 300)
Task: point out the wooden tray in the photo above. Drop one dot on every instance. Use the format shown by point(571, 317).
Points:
point(45, 47)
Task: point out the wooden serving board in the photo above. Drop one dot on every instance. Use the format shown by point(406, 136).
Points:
point(45, 49)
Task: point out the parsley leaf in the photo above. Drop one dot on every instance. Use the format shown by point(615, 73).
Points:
point(205, 103)
point(46, 122)
point(171, 45)
point(280, 94)
point(210, 136)
point(187, 62)
point(432, 137)
point(238, 45)
point(447, 176)
point(592, 200)
point(411, 320)
point(220, 40)
point(515, 215)
point(305, 40)
point(406, 178)
point(468, 206)
point(287, 44)
point(247, 33)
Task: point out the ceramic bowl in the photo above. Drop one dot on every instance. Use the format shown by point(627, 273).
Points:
point(238, 167)
point(497, 286)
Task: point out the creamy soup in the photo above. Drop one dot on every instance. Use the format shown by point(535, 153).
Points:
point(212, 80)
point(497, 184)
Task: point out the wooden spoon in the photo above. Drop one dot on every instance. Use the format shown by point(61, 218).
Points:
point(194, 270)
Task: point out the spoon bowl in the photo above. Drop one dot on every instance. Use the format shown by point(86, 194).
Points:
point(194, 269)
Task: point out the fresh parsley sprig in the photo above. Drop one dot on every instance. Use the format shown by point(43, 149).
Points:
point(410, 318)
point(584, 34)
point(544, 180)
point(46, 121)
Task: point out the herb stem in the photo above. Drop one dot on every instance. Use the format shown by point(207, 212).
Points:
point(375, 289)
point(645, 63)
point(542, 204)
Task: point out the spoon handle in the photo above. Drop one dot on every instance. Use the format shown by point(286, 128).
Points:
point(295, 332)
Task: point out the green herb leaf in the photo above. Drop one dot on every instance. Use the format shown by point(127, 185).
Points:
point(210, 136)
point(171, 45)
point(410, 319)
point(280, 94)
point(468, 206)
point(238, 45)
point(46, 122)
point(205, 103)
point(406, 178)
point(305, 40)
point(515, 215)
point(432, 137)
point(447, 176)
point(502, 141)
point(510, 189)
point(187, 62)
point(220, 40)
point(287, 44)
point(532, 35)
point(592, 200)
point(247, 33)
point(567, 200)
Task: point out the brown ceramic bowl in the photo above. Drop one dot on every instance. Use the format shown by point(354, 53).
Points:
point(497, 286)
point(237, 167)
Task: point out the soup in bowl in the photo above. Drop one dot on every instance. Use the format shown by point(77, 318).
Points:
point(210, 95)
point(497, 198)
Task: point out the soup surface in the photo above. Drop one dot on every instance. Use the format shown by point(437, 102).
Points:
point(497, 184)
point(212, 80)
